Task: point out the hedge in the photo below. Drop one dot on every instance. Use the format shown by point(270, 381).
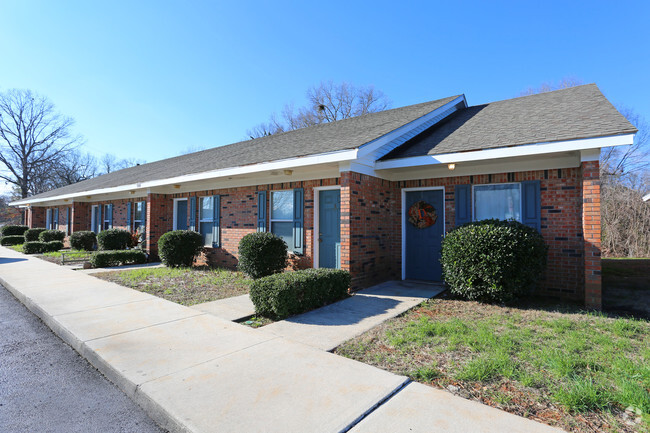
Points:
point(83, 240)
point(12, 240)
point(493, 260)
point(105, 259)
point(282, 295)
point(114, 239)
point(34, 247)
point(262, 254)
point(180, 247)
point(51, 235)
point(32, 235)
point(13, 230)
point(53, 246)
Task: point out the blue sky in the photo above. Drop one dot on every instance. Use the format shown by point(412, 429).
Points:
point(149, 79)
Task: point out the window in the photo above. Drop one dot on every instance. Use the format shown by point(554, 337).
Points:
point(108, 217)
point(139, 215)
point(180, 214)
point(501, 201)
point(96, 219)
point(206, 220)
point(48, 219)
point(282, 215)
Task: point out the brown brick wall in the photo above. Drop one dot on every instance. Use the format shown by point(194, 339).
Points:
point(591, 230)
point(35, 217)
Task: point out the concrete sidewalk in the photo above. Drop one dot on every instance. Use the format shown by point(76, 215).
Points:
point(194, 372)
point(330, 326)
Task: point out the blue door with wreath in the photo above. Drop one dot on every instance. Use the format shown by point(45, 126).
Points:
point(424, 228)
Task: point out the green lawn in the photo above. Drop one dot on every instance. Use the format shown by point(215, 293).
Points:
point(186, 286)
point(577, 370)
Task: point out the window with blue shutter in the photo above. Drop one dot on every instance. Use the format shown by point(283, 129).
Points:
point(55, 223)
point(128, 215)
point(216, 221)
point(108, 217)
point(462, 198)
point(192, 225)
point(531, 204)
point(68, 223)
point(298, 221)
point(261, 211)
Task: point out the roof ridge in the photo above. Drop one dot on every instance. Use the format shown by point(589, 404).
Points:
point(565, 89)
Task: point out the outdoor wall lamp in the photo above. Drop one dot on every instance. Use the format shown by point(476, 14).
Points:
point(451, 166)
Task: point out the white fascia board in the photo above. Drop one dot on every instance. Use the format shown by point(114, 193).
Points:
point(368, 149)
point(507, 152)
point(646, 197)
point(323, 158)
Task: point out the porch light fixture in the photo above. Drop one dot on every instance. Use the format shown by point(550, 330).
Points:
point(131, 192)
point(451, 166)
point(89, 197)
point(288, 172)
point(177, 186)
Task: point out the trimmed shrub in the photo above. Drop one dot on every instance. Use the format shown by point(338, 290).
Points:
point(13, 230)
point(493, 260)
point(83, 240)
point(282, 295)
point(34, 247)
point(262, 254)
point(180, 247)
point(53, 246)
point(105, 259)
point(31, 235)
point(12, 240)
point(51, 235)
point(113, 239)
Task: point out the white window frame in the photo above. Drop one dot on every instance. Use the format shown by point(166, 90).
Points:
point(93, 218)
point(49, 218)
point(134, 222)
point(176, 200)
point(206, 220)
point(104, 219)
point(473, 198)
point(272, 220)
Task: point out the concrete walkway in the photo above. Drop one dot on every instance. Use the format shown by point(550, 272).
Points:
point(195, 372)
point(330, 326)
point(232, 309)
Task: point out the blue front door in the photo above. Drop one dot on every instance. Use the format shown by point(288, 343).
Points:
point(329, 227)
point(424, 228)
point(181, 215)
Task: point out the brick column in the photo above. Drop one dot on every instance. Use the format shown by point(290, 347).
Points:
point(80, 217)
point(346, 179)
point(35, 217)
point(591, 233)
point(160, 214)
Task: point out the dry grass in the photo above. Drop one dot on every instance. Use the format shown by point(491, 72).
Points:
point(186, 286)
point(561, 366)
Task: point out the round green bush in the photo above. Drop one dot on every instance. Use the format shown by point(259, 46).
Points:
point(34, 247)
point(493, 260)
point(113, 239)
point(262, 254)
point(12, 240)
point(51, 235)
point(53, 246)
point(180, 247)
point(13, 230)
point(84, 240)
point(32, 235)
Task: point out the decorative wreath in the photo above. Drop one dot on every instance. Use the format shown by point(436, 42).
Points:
point(422, 215)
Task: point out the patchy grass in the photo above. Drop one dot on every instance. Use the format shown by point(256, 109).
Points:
point(562, 366)
point(186, 286)
point(17, 248)
point(55, 256)
point(256, 321)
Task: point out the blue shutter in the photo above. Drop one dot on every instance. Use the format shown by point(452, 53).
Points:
point(261, 211)
point(192, 225)
point(128, 215)
point(463, 200)
point(55, 224)
point(298, 221)
point(144, 217)
point(531, 204)
point(109, 217)
point(68, 225)
point(216, 208)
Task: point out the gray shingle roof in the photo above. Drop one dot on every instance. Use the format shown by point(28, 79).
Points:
point(328, 137)
point(567, 114)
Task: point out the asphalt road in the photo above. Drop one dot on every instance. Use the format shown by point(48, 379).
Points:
point(45, 386)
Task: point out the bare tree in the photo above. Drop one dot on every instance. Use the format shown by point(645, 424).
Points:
point(75, 167)
point(564, 83)
point(327, 102)
point(33, 136)
point(624, 160)
point(109, 163)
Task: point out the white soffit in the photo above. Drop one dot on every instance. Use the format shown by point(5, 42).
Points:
point(508, 152)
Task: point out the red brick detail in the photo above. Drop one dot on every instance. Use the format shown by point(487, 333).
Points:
point(591, 232)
